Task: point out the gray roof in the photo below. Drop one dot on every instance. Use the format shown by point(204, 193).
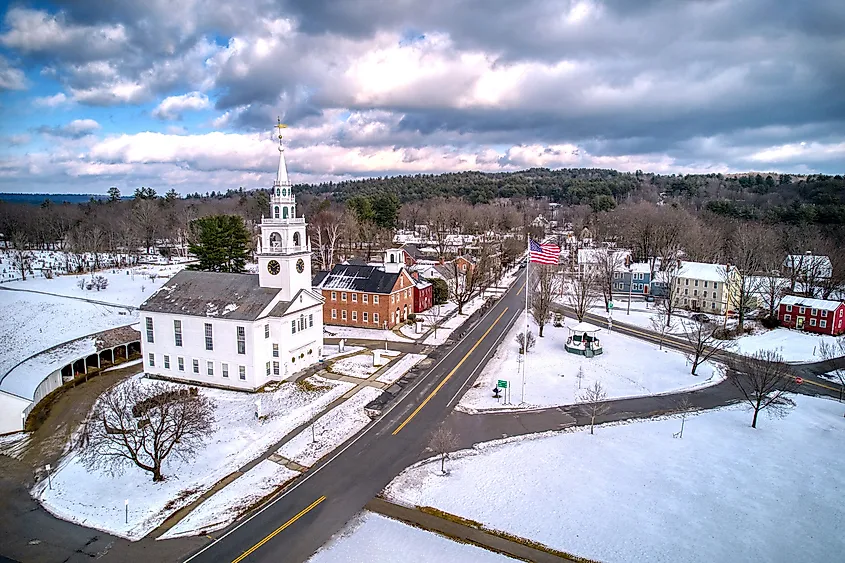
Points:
point(368, 279)
point(212, 294)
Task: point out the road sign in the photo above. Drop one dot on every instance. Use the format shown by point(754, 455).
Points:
point(502, 384)
point(799, 380)
point(610, 305)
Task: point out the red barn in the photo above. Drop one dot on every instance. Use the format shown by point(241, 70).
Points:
point(423, 296)
point(813, 315)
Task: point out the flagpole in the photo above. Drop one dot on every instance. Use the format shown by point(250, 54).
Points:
point(525, 340)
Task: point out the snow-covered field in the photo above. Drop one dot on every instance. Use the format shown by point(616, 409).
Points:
point(628, 367)
point(331, 429)
point(127, 286)
point(95, 499)
point(31, 323)
point(376, 539)
point(400, 368)
point(632, 492)
point(793, 345)
point(224, 506)
point(360, 366)
point(347, 332)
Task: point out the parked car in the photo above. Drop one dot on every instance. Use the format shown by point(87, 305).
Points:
point(701, 318)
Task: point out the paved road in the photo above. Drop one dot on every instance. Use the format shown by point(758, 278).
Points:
point(296, 524)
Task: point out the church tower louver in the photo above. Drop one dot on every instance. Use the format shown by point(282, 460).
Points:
point(284, 259)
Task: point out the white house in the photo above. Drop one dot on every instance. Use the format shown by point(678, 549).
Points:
point(808, 266)
point(590, 260)
point(240, 330)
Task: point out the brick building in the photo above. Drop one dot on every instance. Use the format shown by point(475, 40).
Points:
point(368, 296)
point(813, 315)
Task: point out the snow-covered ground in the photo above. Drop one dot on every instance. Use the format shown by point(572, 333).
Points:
point(127, 286)
point(445, 330)
point(376, 539)
point(628, 367)
point(360, 365)
point(333, 350)
point(32, 322)
point(96, 499)
point(793, 345)
point(632, 492)
point(400, 368)
point(224, 506)
point(347, 332)
point(330, 430)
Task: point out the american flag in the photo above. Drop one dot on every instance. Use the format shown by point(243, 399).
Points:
point(544, 253)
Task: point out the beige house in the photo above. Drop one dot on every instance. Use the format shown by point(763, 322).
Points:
point(699, 286)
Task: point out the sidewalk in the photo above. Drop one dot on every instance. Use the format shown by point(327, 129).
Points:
point(466, 531)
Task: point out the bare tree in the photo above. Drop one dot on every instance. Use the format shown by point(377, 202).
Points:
point(22, 256)
point(668, 278)
point(703, 343)
point(143, 424)
point(443, 442)
point(580, 376)
point(592, 403)
point(582, 293)
point(545, 284)
point(764, 382)
point(831, 350)
point(608, 264)
point(659, 325)
point(526, 341)
point(741, 280)
point(684, 407)
point(466, 284)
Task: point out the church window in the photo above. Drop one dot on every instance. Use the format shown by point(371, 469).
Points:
point(149, 323)
point(225, 368)
point(210, 367)
point(209, 340)
point(276, 368)
point(242, 372)
point(301, 322)
point(275, 350)
point(293, 327)
point(296, 239)
point(177, 332)
point(181, 363)
point(310, 321)
point(284, 213)
point(276, 212)
point(241, 340)
point(268, 368)
point(267, 330)
point(278, 192)
point(196, 366)
point(166, 362)
point(152, 360)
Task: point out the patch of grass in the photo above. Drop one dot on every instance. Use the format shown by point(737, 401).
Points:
point(308, 386)
point(186, 494)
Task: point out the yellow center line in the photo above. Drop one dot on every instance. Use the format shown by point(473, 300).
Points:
point(273, 534)
point(819, 384)
point(445, 379)
point(520, 289)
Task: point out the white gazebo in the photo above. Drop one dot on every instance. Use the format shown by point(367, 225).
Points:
point(583, 341)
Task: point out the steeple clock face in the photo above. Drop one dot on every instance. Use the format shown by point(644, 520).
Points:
point(273, 267)
point(300, 266)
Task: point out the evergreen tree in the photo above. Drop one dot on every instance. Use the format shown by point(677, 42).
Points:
point(221, 243)
point(114, 194)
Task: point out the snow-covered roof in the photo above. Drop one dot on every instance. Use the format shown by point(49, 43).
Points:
point(823, 304)
point(584, 327)
point(593, 255)
point(640, 268)
point(702, 271)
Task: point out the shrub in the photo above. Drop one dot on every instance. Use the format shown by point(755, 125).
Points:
point(770, 322)
point(412, 317)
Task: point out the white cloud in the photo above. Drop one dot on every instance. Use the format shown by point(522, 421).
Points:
point(51, 101)
point(172, 107)
point(76, 129)
point(11, 78)
point(37, 31)
point(801, 152)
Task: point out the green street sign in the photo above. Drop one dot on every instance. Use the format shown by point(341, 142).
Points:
point(610, 305)
point(502, 384)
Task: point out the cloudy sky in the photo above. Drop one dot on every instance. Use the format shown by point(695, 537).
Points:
point(184, 94)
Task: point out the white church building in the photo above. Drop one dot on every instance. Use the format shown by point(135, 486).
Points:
point(240, 331)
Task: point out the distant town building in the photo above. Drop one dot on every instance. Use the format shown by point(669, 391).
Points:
point(821, 316)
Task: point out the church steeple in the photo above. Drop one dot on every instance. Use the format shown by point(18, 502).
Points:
point(284, 258)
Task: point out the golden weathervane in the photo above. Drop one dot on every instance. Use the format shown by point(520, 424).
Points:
point(279, 125)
